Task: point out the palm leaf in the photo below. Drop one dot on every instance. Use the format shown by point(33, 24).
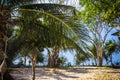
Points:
point(53, 31)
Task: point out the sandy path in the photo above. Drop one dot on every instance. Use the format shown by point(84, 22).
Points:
point(77, 73)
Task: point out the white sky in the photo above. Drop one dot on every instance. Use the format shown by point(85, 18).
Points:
point(74, 3)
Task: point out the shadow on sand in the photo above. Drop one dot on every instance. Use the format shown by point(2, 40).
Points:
point(64, 73)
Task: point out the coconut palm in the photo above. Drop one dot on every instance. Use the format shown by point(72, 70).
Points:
point(41, 29)
point(55, 34)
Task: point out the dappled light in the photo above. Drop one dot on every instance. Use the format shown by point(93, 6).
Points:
point(75, 73)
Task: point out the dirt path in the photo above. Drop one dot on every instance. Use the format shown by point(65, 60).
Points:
point(77, 73)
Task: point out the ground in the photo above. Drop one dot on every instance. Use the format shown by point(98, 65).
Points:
point(74, 73)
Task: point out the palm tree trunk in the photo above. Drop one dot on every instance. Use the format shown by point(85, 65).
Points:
point(52, 58)
point(3, 38)
point(100, 56)
point(55, 56)
point(49, 58)
point(25, 60)
point(1, 50)
point(99, 61)
point(33, 59)
point(33, 71)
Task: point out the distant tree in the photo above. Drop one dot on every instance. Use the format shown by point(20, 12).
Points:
point(98, 32)
point(94, 15)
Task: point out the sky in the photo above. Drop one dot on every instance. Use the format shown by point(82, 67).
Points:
point(74, 3)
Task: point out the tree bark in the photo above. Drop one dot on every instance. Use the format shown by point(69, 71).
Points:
point(3, 38)
point(25, 60)
point(53, 57)
point(100, 57)
point(100, 60)
point(1, 50)
point(33, 60)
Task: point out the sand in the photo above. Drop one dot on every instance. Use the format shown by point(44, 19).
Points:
point(74, 73)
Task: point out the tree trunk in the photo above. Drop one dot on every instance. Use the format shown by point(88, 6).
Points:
point(25, 60)
point(3, 38)
point(100, 61)
point(1, 50)
point(53, 57)
point(49, 58)
point(56, 52)
point(33, 72)
point(100, 56)
point(33, 59)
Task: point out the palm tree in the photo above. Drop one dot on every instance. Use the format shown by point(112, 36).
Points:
point(47, 31)
point(49, 19)
point(55, 35)
point(33, 57)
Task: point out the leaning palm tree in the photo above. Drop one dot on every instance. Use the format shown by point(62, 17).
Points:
point(42, 29)
point(64, 16)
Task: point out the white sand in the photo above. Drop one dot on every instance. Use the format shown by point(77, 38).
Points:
point(77, 73)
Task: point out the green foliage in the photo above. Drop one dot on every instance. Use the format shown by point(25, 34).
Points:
point(69, 64)
point(110, 46)
point(54, 31)
point(61, 61)
point(110, 49)
point(93, 51)
point(46, 29)
point(107, 9)
point(40, 57)
point(81, 58)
